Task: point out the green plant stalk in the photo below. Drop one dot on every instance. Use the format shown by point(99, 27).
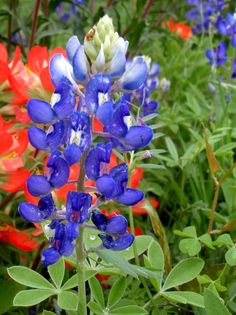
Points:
point(82, 308)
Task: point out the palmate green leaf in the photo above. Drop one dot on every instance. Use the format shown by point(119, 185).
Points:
point(116, 292)
point(29, 277)
point(73, 281)
point(32, 297)
point(116, 260)
point(156, 258)
point(97, 291)
point(230, 256)
point(8, 290)
point(189, 231)
point(129, 310)
point(95, 308)
point(213, 305)
point(142, 243)
point(190, 246)
point(223, 239)
point(56, 272)
point(67, 300)
point(185, 297)
point(185, 271)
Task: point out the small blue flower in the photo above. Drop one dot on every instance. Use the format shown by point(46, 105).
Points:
point(113, 186)
point(117, 243)
point(77, 207)
point(218, 56)
point(43, 211)
point(98, 156)
point(135, 74)
point(57, 175)
point(79, 137)
point(115, 225)
point(97, 97)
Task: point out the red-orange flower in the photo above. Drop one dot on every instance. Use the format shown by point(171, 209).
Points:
point(9, 235)
point(182, 30)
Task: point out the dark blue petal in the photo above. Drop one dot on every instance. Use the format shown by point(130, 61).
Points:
point(135, 75)
point(117, 126)
point(33, 213)
point(38, 138)
point(80, 64)
point(99, 219)
point(71, 47)
point(38, 185)
point(138, 136)
point(30, 212)
point(72, 154)
point(104, 112)
point(77, 206)
point(119, 243)
point(72, 230)
point(120, 175)
point(55, 135)
point(80, 131)
point(117, 225)
point(154, 70)
point(100, 153)
point(130, 197)
point(40, 112)
point(106, 185)
point(210, 56)
point(123, 242)
point(58, 171)
point(100, 83)
point(66, 99)
point(50, 256)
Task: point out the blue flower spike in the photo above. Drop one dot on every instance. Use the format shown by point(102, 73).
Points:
point(93, 80)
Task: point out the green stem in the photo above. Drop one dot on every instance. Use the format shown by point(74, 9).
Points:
point(81, 256)
point(82, 309)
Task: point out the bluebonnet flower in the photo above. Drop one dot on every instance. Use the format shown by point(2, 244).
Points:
point(57, 174)
point(217, 57)
point(202, 12)
point(114, 234)
point(227, 27)
point(90, 82)
point(64, 13)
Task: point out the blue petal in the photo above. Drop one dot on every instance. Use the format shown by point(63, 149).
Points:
point(106, 185)
point(50, 256)
point(117, 126)
point(120, 175)
point(40, 112)
point(99, 219)
point(72, 154)
point(138, 136)
point(154, 70)
point(100, 83)
point(60, 69)
point(80, 62)
point(59, 171)
point(117, 225)
point(123, 242)
point(118, 62)
point(104, 112)
point(71, 47)
point(38, 185)
point(55, 135)
point(66, 104)
point(77, 206)
point(130, 197)
point(37, 138)
point(30, 212)
point(135, 75)
point(210, 55)
point(100, 153)
point(72, 230)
